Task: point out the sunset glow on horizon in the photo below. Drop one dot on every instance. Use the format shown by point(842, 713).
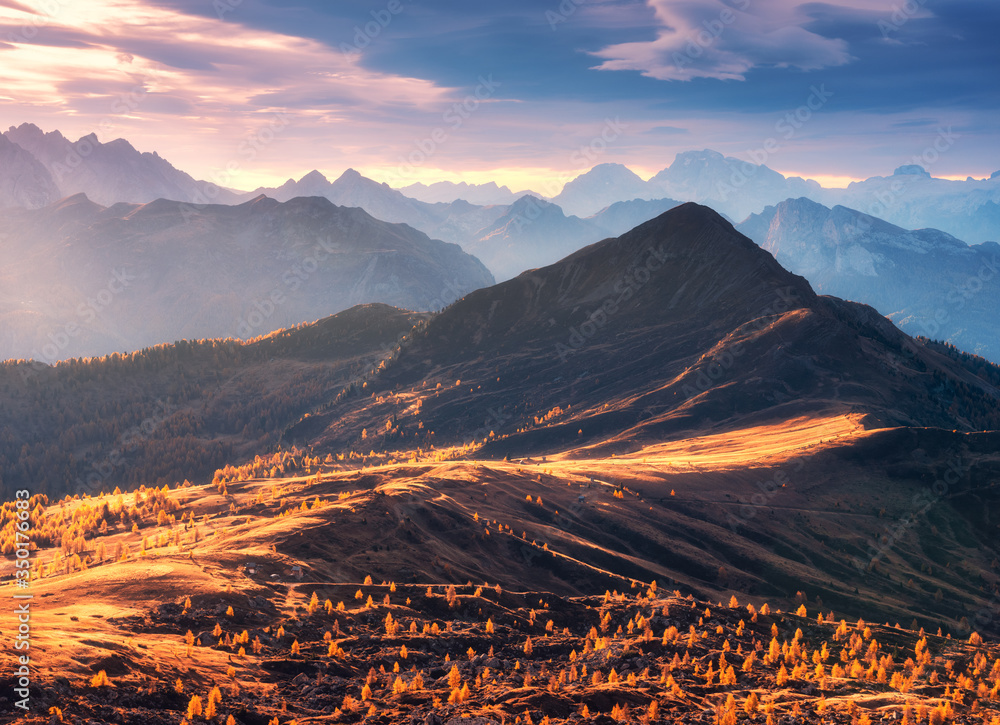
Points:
point(459, 90)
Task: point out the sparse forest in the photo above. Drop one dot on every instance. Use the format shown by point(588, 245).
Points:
point(170, 412)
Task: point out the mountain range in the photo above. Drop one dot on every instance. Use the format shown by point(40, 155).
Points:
point(926, 281)
point(107, 172)
point(47, 166)
point(128, 276)
point(690, 411)
point(509, 238)
point(487, 194)
point(910, 197)
point(528, 231)
point(687, 325)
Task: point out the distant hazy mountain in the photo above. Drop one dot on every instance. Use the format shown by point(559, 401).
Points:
point(449, 191)
point(352, 189)
point(24, 181)
point(910, 197)
point(729, 185)
point(928, 282)
point(624, 215)
point(108, 172)
point(507, 238)
point(38, 168)
point(913, 199)
point(451, 222)
point(532, 233)
point(600, 187)
point(77, 278)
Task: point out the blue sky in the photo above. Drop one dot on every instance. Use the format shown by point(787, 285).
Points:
point(390, 87)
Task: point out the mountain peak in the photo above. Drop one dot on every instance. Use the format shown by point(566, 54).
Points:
point(73, 207)
point(911, 170)
point(315, 176)
point(529, 200)
point(79, 199)
point(119, 144)
point(687, 157)
point(349, 175)
point(119, 172)
point(596, 189)
point(28, 129)
point(610, 165)
point(609, 169)
point(31, 134)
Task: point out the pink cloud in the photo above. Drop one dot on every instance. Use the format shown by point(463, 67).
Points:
point(725, 40)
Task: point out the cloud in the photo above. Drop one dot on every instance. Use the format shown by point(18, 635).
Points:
point(668, 130)
point(725, 39)
point(170, 76)
point(917, 123)
point(218, 67)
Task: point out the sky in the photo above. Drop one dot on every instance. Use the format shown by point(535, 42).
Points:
point(528, 93)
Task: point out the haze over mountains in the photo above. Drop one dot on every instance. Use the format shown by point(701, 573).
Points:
point(115, 171)
point(910, 197)
point(926, 281)
point(535, 384)
point(666, 409)
point(128, 276)
point(679, 356)
point(107, 172)
point(513, 232)
point(524, 233)
point(448, 191)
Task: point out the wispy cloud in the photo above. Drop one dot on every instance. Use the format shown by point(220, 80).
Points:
point(725, 39)
point(215, 65)
point(171, 76)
